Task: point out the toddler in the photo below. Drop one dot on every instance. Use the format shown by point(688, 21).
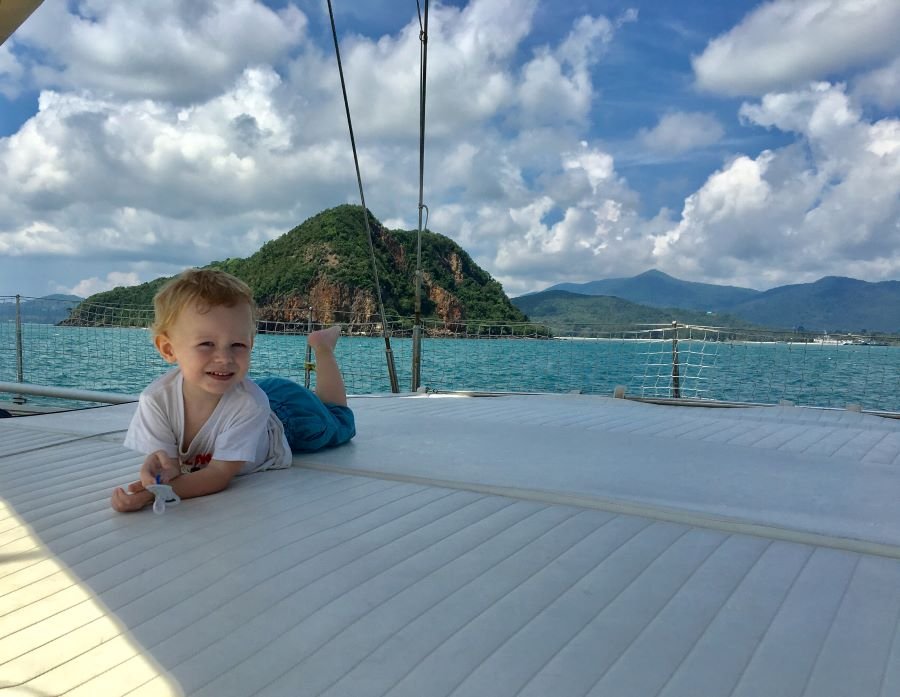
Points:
point(205, 422)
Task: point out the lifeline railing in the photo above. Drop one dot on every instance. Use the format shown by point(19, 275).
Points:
point(669, 361)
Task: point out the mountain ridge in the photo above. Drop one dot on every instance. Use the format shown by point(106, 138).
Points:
point(649, 287)
point(830, 304)
point(563, 311)
point(47, 309)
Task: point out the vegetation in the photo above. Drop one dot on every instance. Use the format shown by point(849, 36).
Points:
point(565, 312)
point(831, 304)
point(326, 261)
point(657, 289)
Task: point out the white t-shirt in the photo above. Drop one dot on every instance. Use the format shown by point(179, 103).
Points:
point(242, 427)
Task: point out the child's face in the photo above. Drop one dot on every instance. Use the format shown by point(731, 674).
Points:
point(211, 348)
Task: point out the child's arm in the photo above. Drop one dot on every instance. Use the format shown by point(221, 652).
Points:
point(132, 500)
point(159, 468)
point(213, 478)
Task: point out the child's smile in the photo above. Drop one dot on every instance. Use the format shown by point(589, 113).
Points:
point(212, 348)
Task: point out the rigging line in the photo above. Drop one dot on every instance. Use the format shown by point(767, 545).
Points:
point(392, 374)
point(417, 325)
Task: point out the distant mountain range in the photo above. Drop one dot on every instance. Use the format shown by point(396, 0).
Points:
point(564, 312)
point(49, 309)
point(656, 289)
point(831, 304)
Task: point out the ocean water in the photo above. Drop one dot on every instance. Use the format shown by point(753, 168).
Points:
point(124, 360)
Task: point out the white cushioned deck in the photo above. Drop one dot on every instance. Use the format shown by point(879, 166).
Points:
point(372, 580)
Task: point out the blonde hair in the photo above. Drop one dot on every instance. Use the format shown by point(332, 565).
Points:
point(207, 288)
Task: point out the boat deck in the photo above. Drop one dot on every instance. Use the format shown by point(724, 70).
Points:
point(511, 545)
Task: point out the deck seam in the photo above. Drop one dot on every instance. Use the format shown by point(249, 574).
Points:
point(366, 580)
point(241, 593)
point(572, 585)
point(762, 637)
point(492, 604)
point(606, 604)
point(713, 618)
point(834, 617)
point(661, 513)
point(653, 619)
point(65, 442)
point(436, 603)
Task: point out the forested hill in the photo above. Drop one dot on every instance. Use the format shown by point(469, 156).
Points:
point(563, 312)
point(833, 303)
point(657, 289)
point(324, 263)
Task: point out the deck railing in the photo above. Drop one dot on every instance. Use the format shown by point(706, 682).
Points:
point(669, 361)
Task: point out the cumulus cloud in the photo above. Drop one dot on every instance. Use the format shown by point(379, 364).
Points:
point(785, 43)
point(678, 132)
point(556, 84)
point(36, 238)
point(89, 286)
point(11, 72)
point(582, 223)
point(121, 169)
point(167, 49)
point(821, 112)
point(829, 204)
point(153, 161)
point(125, 177)
point(470, 53)
point(880, 87)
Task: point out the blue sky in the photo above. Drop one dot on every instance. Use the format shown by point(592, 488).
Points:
point(743, 143)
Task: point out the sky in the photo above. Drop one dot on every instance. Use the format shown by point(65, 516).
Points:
point(741, 143)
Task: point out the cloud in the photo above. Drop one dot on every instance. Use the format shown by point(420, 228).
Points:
point(11, 72)
point(678, 132)
point(36, 238)
point(579, 222)
point(470, 55)
point(556, 84)
point(144, 169)
point(166, 49)
point(629, 15)
point(821, 111)
point(828, 204)
point(119, 176)
point(880, 87)
point(786, 43)
point(92, 285)
point(117, 170)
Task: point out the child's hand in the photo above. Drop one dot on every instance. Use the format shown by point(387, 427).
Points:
point(125, 502)
point(161, 465)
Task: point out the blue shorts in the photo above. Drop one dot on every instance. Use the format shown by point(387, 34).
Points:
point(309, 423)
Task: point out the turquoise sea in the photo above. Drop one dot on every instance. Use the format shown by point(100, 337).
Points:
point(124, 360)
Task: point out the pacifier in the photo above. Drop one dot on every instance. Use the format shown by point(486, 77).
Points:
point(163, 495)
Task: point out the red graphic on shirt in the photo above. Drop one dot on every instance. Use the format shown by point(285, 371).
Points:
point(198, 462)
